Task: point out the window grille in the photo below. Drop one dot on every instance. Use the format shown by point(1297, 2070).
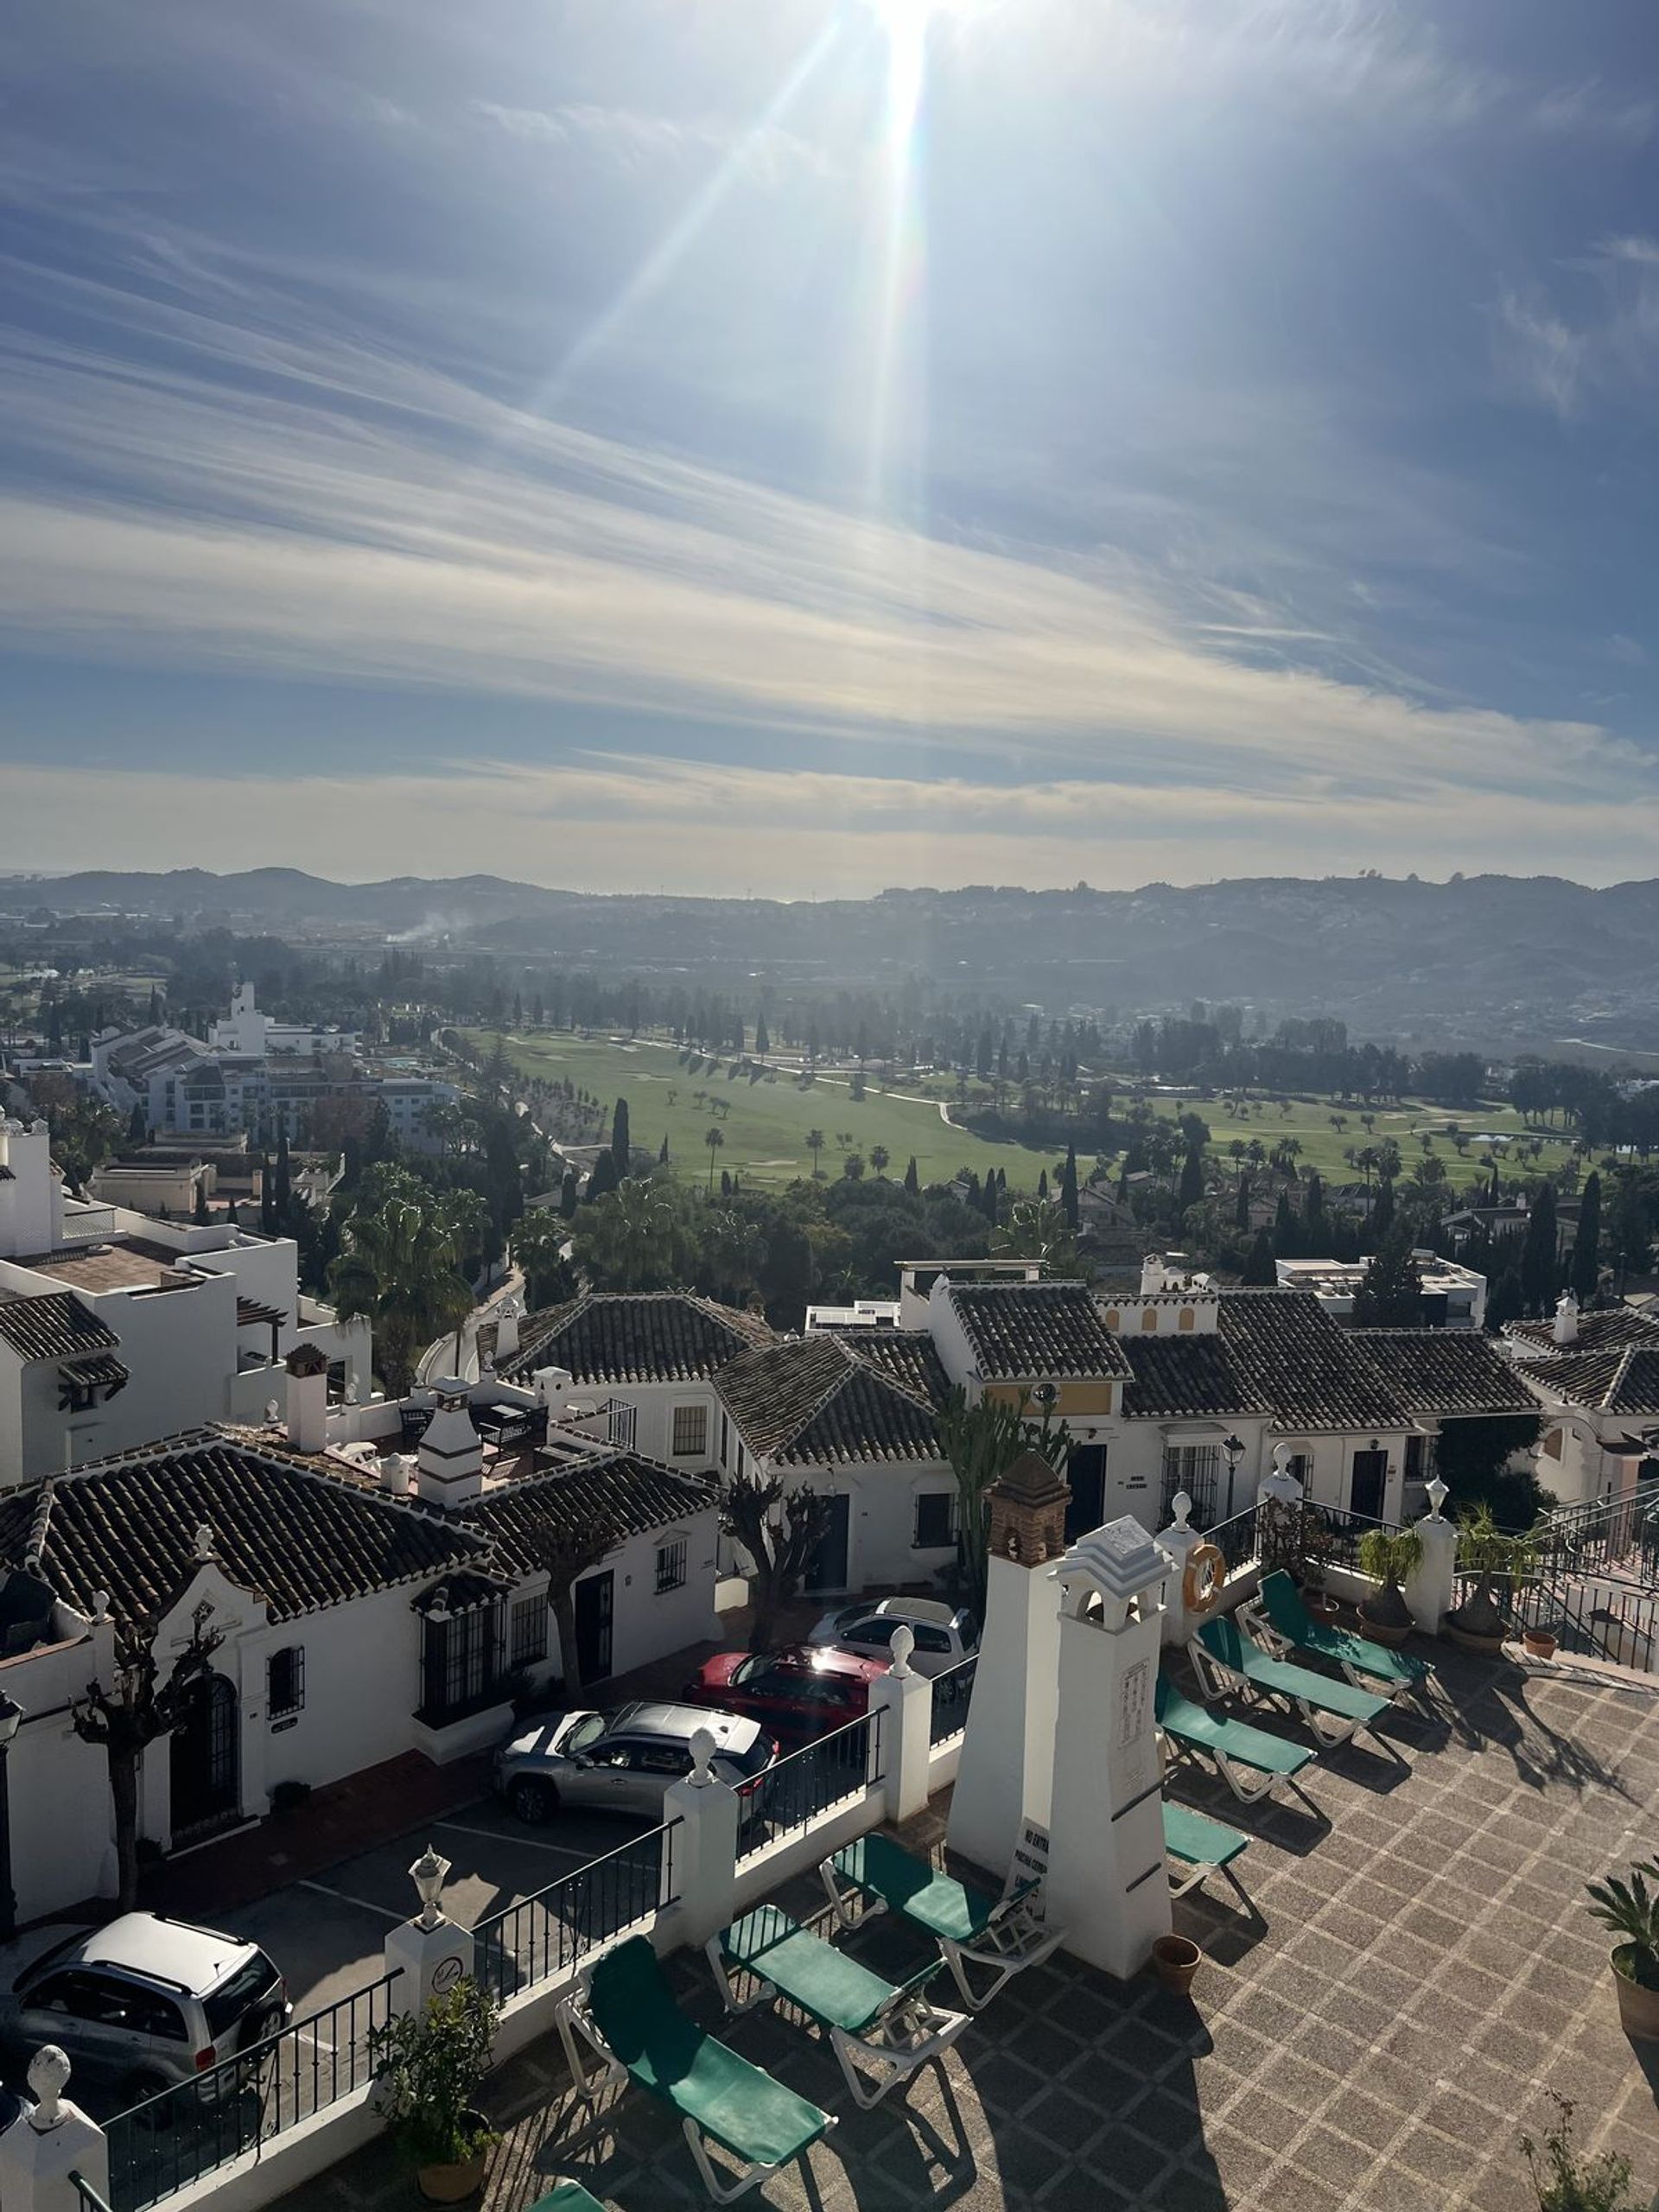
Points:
point(690, 1432)
point(285, 1681)
point(528, 1630)
point(670, 1566)
point(1195, 1468)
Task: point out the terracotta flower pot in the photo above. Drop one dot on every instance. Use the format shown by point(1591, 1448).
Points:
point(1389, 1633)
point(1540, 1644)
point(1175, 1960)
point(457, 2179)
point(1639, 2006)
point(1321, 1605)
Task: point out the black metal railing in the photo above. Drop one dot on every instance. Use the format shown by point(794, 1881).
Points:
point(173, 2139)
point(1236, 1539)
point(951, 1691)
point(1610, 1536)
point(89, 2198)
point(791, 1794)
point(550, 1933)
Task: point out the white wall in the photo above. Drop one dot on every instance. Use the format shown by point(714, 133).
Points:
point(654, 1404)
point(62, 1844)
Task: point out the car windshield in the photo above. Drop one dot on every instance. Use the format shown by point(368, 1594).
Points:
point(585, 1734)
point(758, 1755)
point(226, 2006)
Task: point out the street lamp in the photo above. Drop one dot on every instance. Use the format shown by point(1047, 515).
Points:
point(11, 1719)
point(1233, 1451)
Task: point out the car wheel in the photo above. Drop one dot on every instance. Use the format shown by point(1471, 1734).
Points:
point(137, 2089)
point(533, 1802)
point(259, 2027)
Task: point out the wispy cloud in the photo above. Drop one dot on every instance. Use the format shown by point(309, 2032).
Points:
point(764, 151)
point(1545, 358)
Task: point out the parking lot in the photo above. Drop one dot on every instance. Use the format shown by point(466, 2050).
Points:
point(327, 1932)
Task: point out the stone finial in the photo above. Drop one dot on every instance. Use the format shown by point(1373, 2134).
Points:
point(100, 1606)
point(273, 1413)
point(1028, 1501)
point(204, 1549)
point(901, 1643)
point(702, 1750)
point(48, 2077)
point(1180, 1506)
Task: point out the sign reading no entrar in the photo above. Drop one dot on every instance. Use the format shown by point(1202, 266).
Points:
point(1030, 1853)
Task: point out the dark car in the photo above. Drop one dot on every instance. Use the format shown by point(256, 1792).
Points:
point(796, 1694)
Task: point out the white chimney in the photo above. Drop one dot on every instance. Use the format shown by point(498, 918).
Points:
point(397, 1473)
point(551, 1383)
point(507, 1316)
point(450, 1461)
point(1565, 1331)
point(308, 1398)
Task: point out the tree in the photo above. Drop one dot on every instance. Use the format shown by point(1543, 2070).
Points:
point(879, 1157)
point(912, 1181)
point(619, 1153)
point(981, 1442)
point(780, 1529)
point(602, 1179)
point(202, 1214)
point(853, 1167)
point(815, 1146)
point(1540, 1268)
point(537, 1246)
point(282, 1199)
point(138, 1125)
point(1586, 1273)
point(1069, 1188)
point(565, 1549)
point(84, 1133)
point(662, 1156)
point(630, 1239)
point(1506, 1301)
point(1191, 1191)
point(569, 1195)
point(714, 1139)
point(1036, 1229)
point(1632, 1228)
point(136, 1710)
point(400, 1269)
point(762, 1041)
point(1391, 1293)
point(1258, 1271)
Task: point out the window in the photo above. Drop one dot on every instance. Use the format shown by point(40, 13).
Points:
point(670, 1566)
point(725, 1439)
point(663, 1758)
point(285, 1681)
point(1194, 1468)
point(1414, 1456)
point(936, 1640)
point(529, 1630)
point(690, 1432)
point(149, 2013)
point(461, 1662)
point(935, 1520)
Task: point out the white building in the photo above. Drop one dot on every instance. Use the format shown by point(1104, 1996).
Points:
point(1595, 1377)
point(1454, 1297)
point(116, 1330)
point(249, 1033)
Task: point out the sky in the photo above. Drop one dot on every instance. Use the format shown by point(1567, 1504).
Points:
point(797, 447)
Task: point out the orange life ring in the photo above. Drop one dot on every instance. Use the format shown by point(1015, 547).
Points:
point(1205, 1579)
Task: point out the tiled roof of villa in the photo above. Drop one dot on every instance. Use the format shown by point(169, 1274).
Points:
point(1621, 1380)
point(1306, 1365)
point(1022, 1332)
point(1596, 1332)
point(812, 1400)
point(1445, 1371)
point(1181, 1376)
point(612, 1336)
point(622, 1492)
point(55, 1325)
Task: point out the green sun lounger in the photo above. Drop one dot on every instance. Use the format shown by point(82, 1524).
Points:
point(1279, 1619)
point(1002, 1935)
point(1251, 1761)
point(881, 2032)
point(621, 2007)
point(1198, 1846)
point(567, 2197)
point(1224, 1659)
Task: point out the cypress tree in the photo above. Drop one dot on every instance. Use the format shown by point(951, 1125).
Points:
point(1191, 1191)
point(1069, 1188)
point(1286, 1238)
point(267, 1198)
point(202, 1214)
point(568, 1191)
point(619, 1155)
point(1242, 1204)
point(1586, 1275)
point(661, 1157)
point(1042, 1184)
point(137, 1126)
point(601, 1178)
point(284, 1200)
point(913, 1180)
point(1506, 1303)
point(1382, 1212)
point(1539, 1269)
point(1259, 1273)
point(762, 1041)
point(1316, 1230)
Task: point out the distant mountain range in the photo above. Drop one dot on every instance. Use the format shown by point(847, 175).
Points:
point(1504, 963)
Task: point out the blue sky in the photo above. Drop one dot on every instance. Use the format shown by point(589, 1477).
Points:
point(800, 446)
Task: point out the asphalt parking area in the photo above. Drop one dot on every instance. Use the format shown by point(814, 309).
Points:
point(327, 1932)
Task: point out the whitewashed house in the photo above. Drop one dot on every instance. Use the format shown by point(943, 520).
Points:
point(1595, 1379)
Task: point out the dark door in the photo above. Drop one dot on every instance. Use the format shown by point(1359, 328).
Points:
point(1370, 1480)
point(1086, 1472)
point(595, 1601)
point(829, 1569)
point(205, 1757)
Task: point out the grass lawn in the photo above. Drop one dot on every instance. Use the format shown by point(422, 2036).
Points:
point(766, 1129)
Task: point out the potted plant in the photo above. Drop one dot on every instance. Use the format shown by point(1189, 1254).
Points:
point(1541, 1642)
point(1631, 1909)
point(1318, 1546)
point(1175, 1959)
point(1562, 2182)
point(1491, 1560)
point(428, 2065)
point(1390, 1557)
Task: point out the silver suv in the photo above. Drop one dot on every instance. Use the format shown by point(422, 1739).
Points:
point(622, 1765)
point(143, 2003)
point(944, 1636)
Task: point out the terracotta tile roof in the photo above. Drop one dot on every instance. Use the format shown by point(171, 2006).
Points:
point(1180, 1377)
point(631, 1494)
point(1597, 1331)
point(1445, 1371)
point(1022, 1332)
point(1305, 1364)
point(808, 1401)
point(905, 1357)
point(99, 1368)
point(1624, 1379)
point(666, 1336)
point(53, 1326)
point(298, 1537)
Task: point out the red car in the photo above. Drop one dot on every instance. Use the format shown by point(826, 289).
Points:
point(796, 1694)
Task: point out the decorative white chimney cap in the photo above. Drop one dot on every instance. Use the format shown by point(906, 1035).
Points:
point(1120, 1560)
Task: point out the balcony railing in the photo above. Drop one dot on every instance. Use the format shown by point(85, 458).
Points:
point(800, 1787)
point(88, 1224)
point(951, 1691)
point(548, 1934)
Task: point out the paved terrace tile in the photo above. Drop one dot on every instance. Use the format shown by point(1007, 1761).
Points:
point(1423, 1972)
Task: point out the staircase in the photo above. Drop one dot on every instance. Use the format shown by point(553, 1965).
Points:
point(1597, 1585)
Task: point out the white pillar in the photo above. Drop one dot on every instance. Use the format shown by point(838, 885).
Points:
point(433, 1952)
point(1430, 1592)
point(307, 1399)
point(1107, 1885)
point(904, 1701)
point(705, 1845)
point(1178, 1543)
point(1006, 1772)
point(42, 2147)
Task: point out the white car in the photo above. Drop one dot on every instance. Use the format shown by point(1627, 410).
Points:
point(944, 1637)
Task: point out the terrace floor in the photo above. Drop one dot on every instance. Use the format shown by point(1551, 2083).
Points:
point(1424, 1974)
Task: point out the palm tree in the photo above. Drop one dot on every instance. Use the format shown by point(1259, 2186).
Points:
point(626, 1240)
point(815, 1146)
point(714, 1139)
point(399, 1271)
point(879, 1157)
point(539, 1240)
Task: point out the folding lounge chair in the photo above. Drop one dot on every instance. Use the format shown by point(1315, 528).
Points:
point(1224, 1659)
point(1278, 1619)
point(567, 2197)
point(1252, 1762)
point(620, 2007)
point(880, 2034)
point(1000, 1934)
point(1197, 1848)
